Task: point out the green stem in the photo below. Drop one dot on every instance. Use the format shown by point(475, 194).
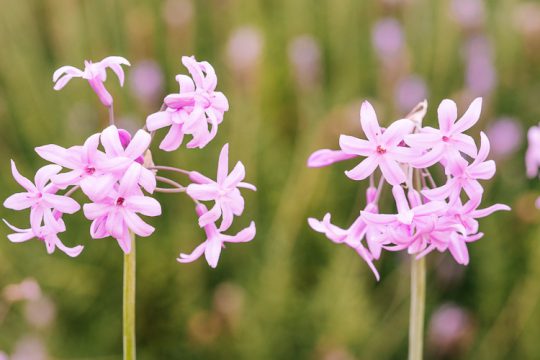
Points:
point(418, 304)
point(129, 303)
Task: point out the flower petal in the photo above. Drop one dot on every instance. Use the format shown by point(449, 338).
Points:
point(470, 117)
point(19, 201)
point(21, 180)
point(368, 120)
point(223, 164)
point(158, 120)
point(447, 113)
point(173, 139)
point(143, 204)
point(364, 169)
point(391, 171)
point(325, 157)
point(187, 258)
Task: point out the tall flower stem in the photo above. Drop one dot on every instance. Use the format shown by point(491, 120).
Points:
point(129, 303)
point(418, 304)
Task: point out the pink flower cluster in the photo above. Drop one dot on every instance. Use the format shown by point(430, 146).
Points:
point(116, 173)
point(427, 217)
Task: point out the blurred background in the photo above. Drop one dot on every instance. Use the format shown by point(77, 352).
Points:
point(295, 73)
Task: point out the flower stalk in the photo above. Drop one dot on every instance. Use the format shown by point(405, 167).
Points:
point(418, 304)
point(129, 302)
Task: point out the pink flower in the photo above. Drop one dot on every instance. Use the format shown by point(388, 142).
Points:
point(448, 141)
point(41, 198)
point(382, 148)
point(116, 214)
point(224, 191)
point(120, 149)
point(215, 241)
point(325, 157)
point(354, 235)
point(90, 167)
point(191, 110)
point(95, 73)
point(465, 176)
point(47, 234)
point(532, 157)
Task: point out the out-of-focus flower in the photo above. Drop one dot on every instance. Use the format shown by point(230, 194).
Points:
point(481, 77)
point(3, 356)
point(450, 330)
point(29, 348)
point(244, 49)
point(28, 289)
point(410, 91)
point(382, 148)
point(96, 75)
point(177, 13)
point(40, 313)
point(387, 38)
point(229, 302)
point(224, 191)
point(532, 157)
point(215, 241)
point(468, 13)
point(146, 81)
point(305, 58)
point(506, 136)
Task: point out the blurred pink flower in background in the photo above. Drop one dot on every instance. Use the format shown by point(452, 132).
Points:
point(481, 77)
point(506, 134)
point(40, 312)
point(3, 356)
point(450, 330)
point(387, 38)
point(468, 13)
point(409, 91)
point(244, 49)
point(28, 289)
point(146, 81)
point(29, 347)
point(177, 13)
point(305, 57)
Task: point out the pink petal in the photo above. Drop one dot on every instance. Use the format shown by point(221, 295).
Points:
point(364, 169)
point(368, 120)
point(199, 178)
point(377, 218)
point(423, 140)
point(212, 252)
point(465, 144)
point(399, 197)
point(483, 171)
point(210, 216)
point(128, 183)
point(484, 149)
point(186, 84)
point(245, 235)
point(489, 210)
point(352, 146)
point(447, 113)
point(179, 101)
point(36, 217)
point(238, 174)
point(430, 208)
point(98, 187)
point(204, 192)
point(395, 133)
point(97, 228)
point(19, 201)
point(143, 204)
point(93, 211)
point(138, 145)
point(441, 192)
point(429, 158)
point(223, 164)
point(69, 70)
point(111, 141)
point(61, 203)
point(99, 88)
point(70, 251)
point(187, 258)
point(147, 179)
point(115, 224)
point(173, 139)
point(21, 180)
point(470, 117)
point(391, 171)
point(226, 218)
point(325, 157)
point(459, 251)
point(158, 120)
point(124, 241)
point(45, 174)
point(136, 224)
point(58, 155)
point(246, 186)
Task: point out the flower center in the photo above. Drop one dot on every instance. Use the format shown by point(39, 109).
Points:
point(120, 201)
point(445, 138)
point(380, 150)
point(89, 170)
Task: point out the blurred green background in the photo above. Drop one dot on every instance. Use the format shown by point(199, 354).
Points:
point(295, 72)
